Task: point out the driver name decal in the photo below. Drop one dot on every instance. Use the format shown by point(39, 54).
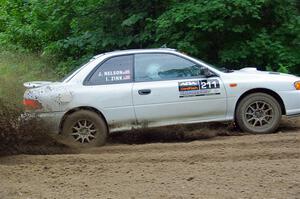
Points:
point(117, 75)
point(199, 88)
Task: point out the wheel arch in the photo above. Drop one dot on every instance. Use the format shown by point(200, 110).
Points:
point(88, 108)
point(262, 90)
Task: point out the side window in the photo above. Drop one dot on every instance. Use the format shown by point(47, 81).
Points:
point(154, 67)
point(115, 70)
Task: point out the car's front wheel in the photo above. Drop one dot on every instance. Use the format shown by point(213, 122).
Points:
point(84, 128)
point(258, 113)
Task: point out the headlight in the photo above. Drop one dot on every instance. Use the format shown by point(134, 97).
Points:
point(297, 85)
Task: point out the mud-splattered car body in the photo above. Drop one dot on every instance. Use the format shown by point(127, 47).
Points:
point(124, 101)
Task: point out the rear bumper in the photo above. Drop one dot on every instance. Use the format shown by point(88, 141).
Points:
point(50, 120)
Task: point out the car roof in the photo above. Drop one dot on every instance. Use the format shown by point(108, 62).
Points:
point(132, 51)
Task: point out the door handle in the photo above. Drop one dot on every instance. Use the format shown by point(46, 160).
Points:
point(144, 91)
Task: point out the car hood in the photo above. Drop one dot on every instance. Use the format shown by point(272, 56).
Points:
point(254, 73)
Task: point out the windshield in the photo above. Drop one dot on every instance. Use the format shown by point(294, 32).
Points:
point(222, 69)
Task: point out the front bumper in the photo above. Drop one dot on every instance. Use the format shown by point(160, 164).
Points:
point(291, 100)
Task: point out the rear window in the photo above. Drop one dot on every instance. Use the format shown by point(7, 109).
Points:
point(115, 70)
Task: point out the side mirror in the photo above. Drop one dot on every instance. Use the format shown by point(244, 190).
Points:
point(207, 72)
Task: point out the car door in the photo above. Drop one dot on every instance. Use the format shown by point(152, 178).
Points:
point(109, 89)
point(170, 89)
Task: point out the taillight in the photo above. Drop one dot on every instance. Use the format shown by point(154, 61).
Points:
point(31, 104)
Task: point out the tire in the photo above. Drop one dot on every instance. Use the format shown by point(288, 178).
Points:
point(84, 129)
point(258, 113)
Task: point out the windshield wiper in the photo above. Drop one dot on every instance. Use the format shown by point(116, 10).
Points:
point(226, 70)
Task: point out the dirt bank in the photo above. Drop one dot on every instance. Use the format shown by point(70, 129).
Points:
point(250, 166)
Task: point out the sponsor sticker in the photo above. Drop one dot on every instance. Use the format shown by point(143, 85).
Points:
point(189, 86)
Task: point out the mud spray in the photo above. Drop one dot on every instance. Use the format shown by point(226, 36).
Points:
point(29, 136)
point(24, 136)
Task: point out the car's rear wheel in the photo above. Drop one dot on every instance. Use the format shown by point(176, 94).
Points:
point(258, 113)
point(84, 129)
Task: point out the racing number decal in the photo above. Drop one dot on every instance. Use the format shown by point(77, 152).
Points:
point(209, 84)
point(199, 88)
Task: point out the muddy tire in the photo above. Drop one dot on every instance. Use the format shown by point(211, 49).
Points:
point(258, 113)
point(84, 129)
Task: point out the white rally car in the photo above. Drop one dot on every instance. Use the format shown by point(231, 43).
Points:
point(128, 89)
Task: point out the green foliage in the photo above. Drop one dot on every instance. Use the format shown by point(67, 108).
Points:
point(17, 68)
point(236, 33)
point(232, 33)
point(283, 69)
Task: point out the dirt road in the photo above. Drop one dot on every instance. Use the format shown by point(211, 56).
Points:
point(251, 166)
